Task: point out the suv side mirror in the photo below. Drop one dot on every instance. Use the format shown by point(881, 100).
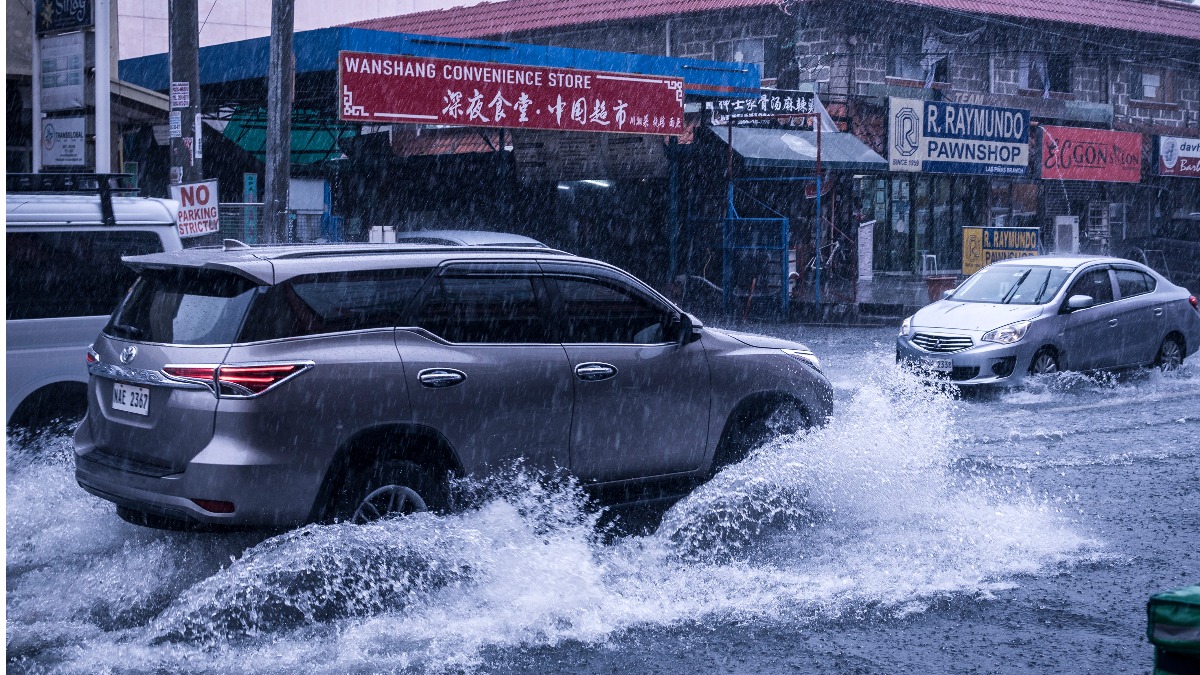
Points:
point(1076, 302)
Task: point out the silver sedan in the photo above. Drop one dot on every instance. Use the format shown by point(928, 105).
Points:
point(1045, 314)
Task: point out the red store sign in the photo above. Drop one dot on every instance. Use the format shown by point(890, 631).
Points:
point(1072, 153)
point(1178, 156)
point(392, 89)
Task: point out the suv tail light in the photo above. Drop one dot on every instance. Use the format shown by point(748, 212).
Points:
point(238, 381)
point(1195, 304)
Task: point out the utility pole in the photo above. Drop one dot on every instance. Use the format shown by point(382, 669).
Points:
point(280, 73)
point(104, 131)
point(185, 127)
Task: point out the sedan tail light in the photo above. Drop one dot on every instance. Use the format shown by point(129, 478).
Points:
point(1195, 304)
point(238, 381)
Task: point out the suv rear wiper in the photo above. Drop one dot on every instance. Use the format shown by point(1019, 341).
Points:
point(127, 330)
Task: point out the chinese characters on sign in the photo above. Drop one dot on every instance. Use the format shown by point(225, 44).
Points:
point(384, 88)
point(770, 102)
point(1073, 153)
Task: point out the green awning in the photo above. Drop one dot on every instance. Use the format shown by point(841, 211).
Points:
point(791, 148)
point(314, 137)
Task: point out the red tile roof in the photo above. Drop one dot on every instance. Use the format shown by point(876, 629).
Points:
point(1157, 17)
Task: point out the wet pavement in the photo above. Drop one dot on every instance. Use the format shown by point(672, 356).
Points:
point(918, 532)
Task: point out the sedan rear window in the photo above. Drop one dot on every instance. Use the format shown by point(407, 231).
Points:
point(183, 307)
point(1012, 285)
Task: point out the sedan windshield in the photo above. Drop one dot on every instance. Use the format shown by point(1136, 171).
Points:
point(1011, 285)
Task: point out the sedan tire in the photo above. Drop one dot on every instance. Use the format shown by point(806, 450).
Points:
point(1170, 354)
point(1044, 361)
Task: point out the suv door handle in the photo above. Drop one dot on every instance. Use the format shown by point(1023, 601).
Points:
point(1158, 311)
point(1112, 323)
point(439, 378)
point(594, 372)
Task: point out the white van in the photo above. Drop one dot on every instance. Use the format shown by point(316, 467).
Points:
point(65, 277)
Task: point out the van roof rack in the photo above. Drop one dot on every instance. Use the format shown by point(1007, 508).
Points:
point(103, 184)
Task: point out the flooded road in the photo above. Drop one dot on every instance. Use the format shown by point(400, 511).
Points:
point(916, 532)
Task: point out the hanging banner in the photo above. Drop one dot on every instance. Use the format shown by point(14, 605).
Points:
point(1074, 153)
point(945, 137)
point(390, 89)
point(1178, 156)
point(983, 246)
point(198, 212)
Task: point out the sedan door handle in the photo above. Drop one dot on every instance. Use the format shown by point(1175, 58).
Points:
point(1112, 323)
point(595, 372)
point(440, 378)
point(1158, 311)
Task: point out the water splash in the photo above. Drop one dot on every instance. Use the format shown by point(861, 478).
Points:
point(873, 514)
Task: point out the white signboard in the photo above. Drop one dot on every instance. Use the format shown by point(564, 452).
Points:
point(197, 208)
point(1178, 156)
point(948, 137)
point(181, 94)
point(175, 119)
point(64, 141)
point(62, 71)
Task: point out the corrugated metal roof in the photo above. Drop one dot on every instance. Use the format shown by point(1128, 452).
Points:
point(1157, 17)
point(512, 16)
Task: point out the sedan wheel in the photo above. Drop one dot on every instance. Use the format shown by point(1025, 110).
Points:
point(1170, 355)
point(1043, 362)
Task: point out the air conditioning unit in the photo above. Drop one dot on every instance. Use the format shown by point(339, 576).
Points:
point(1066, 234)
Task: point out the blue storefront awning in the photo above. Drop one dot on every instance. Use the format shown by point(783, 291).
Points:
point(317, 52)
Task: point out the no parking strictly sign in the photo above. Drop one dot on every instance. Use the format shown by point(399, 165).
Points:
point(197, 208)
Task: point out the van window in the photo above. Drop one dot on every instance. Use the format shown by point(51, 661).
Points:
point(183, 307)
point(64, 274)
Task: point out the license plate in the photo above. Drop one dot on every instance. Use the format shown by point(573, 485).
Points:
point(131, 399)
point(938, 365)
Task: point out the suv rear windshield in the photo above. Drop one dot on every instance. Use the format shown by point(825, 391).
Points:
point(184, 307)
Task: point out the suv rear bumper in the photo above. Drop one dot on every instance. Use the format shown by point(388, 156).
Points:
point(263, 494)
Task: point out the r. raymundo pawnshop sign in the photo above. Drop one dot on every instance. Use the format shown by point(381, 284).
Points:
point(393, 89)
point(943, 137)
point(1074, 153)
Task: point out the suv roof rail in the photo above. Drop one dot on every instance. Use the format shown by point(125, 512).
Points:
point(102, 184)
point(381, 249)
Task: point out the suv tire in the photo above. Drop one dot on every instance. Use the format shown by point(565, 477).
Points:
point(376, 491)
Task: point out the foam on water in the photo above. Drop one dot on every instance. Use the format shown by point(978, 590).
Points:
point(871, 515)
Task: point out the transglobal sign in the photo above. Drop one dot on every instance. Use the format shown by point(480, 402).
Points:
point(1073, 153)
point(392, 89)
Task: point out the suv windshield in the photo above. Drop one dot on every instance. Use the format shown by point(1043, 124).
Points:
point(1013, 285)
point(183, 307)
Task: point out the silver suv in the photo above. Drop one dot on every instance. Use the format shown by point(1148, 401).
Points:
point(283, 385)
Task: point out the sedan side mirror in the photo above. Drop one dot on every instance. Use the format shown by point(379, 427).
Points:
point(1076, 302)
point(689, 329)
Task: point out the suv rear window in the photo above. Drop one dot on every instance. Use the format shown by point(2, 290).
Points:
point(64, 274)
point(184, 307)
point(329, 303)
